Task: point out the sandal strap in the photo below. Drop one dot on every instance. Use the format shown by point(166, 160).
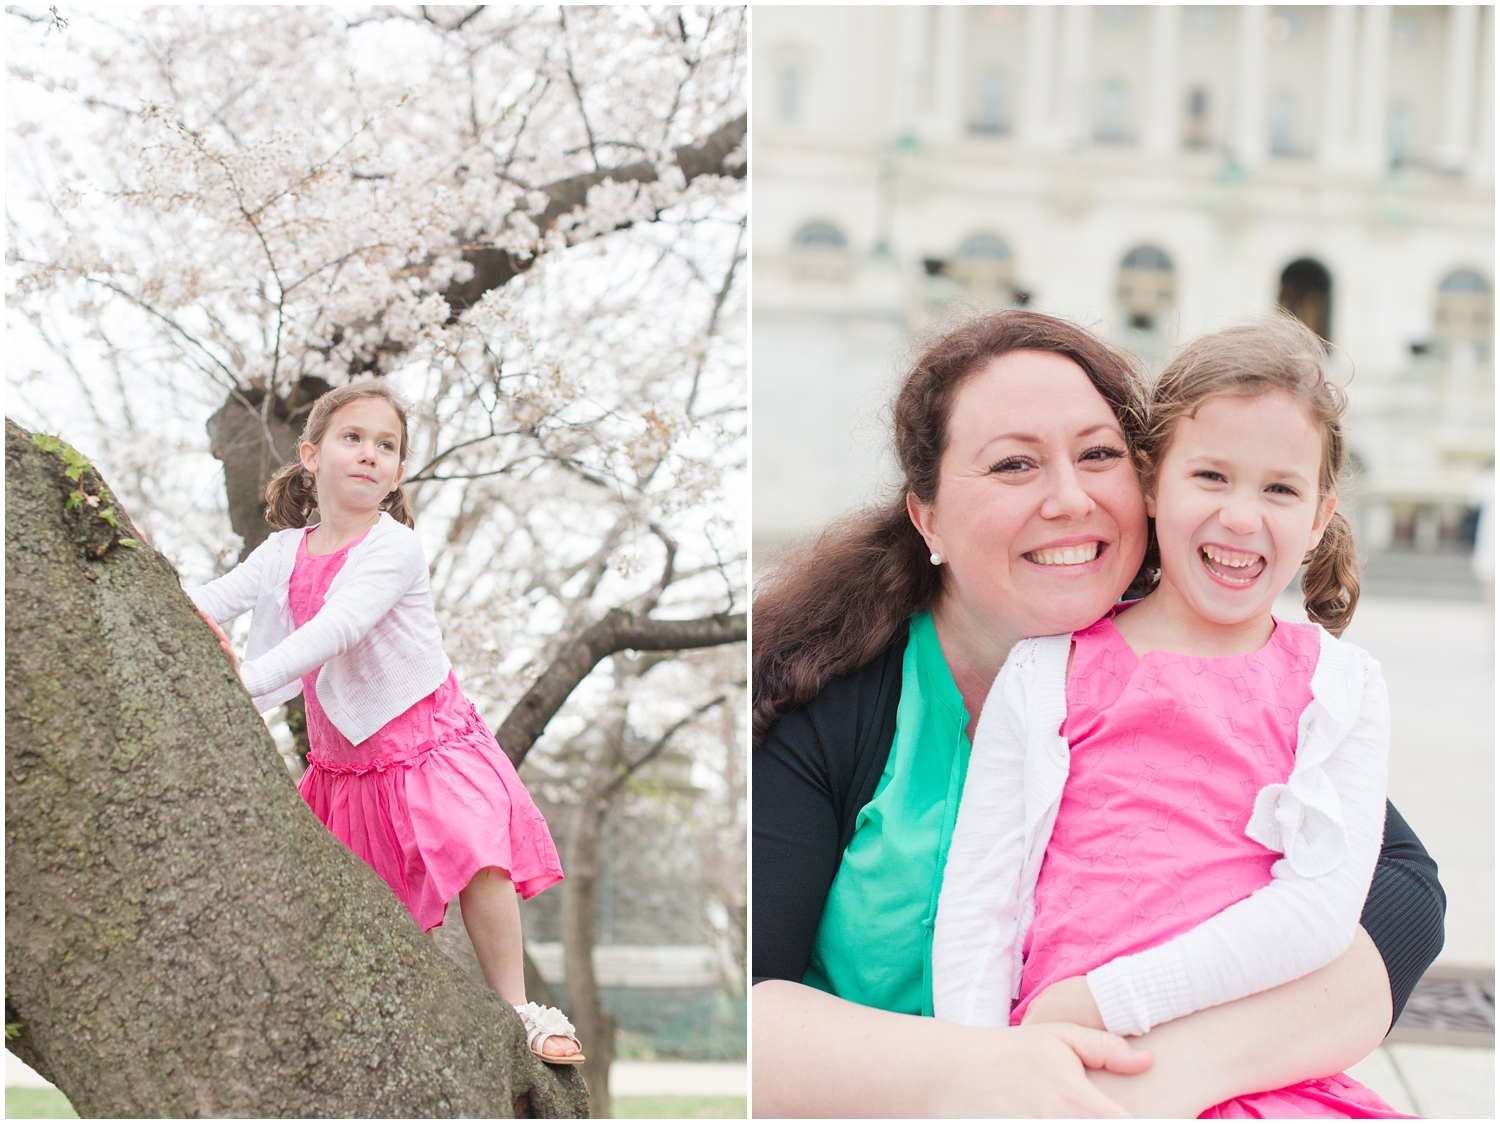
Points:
point(543, 1023)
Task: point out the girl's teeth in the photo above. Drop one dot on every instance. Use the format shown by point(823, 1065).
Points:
point(1221, 562)
point(1065, 556)
point(1235, 558)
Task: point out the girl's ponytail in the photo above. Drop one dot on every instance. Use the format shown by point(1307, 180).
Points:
point(291, 497)
point(1330, 584)
point(397, 508)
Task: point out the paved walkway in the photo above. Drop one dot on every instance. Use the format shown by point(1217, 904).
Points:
point(626, 1078)
point(678, 1079)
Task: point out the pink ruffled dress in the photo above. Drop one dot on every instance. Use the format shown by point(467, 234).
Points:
point(429, 799)
point(1168, 752)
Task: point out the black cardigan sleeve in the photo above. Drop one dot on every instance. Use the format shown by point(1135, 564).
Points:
point(811, 773)
point(1404, 910)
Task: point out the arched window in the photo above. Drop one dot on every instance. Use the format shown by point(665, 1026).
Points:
point(820, 235)
point(1465, 311)
point(1307, 293)
point(820, 252)
point(1147, 287)
point(985, 267)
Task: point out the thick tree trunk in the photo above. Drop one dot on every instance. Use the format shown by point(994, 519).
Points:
point(182, 937)
point(254, 440)
point(596, 1026)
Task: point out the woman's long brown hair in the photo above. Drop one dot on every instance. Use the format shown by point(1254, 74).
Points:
point(832, 608)
point(292, 493)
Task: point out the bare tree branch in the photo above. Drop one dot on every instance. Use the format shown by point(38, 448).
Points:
point(616, 632)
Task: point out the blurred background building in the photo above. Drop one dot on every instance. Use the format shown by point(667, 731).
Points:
point(1151, 173)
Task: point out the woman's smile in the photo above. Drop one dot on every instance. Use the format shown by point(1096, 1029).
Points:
point(1072, 556)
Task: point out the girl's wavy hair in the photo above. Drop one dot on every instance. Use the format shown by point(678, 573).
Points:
point(292, 493)
point(1276, 352)
point(831, 608)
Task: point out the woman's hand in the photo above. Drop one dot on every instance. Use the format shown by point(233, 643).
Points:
point(234, 660)
point(1311, 1027)
point(817, 1055)
point(1037, 1072)
point(1066, 1001)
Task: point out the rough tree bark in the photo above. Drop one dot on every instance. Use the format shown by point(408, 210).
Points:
point(183, 938)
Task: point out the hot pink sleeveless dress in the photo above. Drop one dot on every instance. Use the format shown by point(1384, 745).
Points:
point(1168, 753)
point(429, 799)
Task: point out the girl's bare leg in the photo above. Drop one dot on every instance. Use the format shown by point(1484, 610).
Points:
point(493, 918)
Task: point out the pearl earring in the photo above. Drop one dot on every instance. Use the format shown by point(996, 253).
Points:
point(936, 559)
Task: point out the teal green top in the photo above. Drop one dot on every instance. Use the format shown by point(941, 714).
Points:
point(874, 944)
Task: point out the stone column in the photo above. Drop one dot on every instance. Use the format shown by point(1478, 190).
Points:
point(911, 68)
point(1034, 128)
point(1163, 132)
point(1338, 83)
point(1074, 107)
point(947, 121)
point(1373, 107)
point(1483, 164)
point(1248, 141)
point(1458, 89)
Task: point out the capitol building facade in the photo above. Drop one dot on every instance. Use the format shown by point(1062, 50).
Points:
point(1151, 173)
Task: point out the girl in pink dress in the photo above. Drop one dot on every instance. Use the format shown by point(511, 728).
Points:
point(1182, 805)
point(402, 769)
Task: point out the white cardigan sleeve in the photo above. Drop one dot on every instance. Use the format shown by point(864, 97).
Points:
point(1327, 821)
point(227, 597)
point(1017, 768)
point(370, 585)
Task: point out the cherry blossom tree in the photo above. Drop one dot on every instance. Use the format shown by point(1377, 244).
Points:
point(529, 220)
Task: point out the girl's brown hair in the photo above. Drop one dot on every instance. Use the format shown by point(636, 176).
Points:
point(1276, 352)
point(832, 608)
point(292, 493)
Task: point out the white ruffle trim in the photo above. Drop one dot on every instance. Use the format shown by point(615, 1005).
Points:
point(544, 1020)
point(1306, 826)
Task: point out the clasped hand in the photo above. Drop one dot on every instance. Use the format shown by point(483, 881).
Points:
point(1066, 1001)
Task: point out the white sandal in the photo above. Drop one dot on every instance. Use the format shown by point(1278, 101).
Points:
point(543, 1023)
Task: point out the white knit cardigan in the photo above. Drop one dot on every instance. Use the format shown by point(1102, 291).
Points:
point(1326, 821)
point(376, 636)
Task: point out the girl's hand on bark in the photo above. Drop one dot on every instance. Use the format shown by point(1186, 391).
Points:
point(234, 660)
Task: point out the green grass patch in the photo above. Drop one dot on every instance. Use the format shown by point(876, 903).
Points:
point(38, 1104)
point(679, 1108)
point(50, 1104)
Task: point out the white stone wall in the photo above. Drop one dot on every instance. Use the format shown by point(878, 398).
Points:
point(1065, 131)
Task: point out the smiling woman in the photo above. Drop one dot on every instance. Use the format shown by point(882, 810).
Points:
point(1038, 512)
point(1020, 515)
